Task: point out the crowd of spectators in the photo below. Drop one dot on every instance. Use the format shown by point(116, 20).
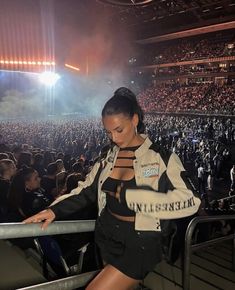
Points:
point(193, 70)
point(208, 98)
point(42, 160)
point(219, 45)
point(68, 135)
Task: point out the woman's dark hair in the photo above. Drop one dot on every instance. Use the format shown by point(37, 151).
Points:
point(17, 187)
point(124, 101)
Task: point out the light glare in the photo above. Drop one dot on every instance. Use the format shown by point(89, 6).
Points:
point(49, 78)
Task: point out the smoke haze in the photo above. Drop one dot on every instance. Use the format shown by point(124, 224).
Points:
point(74, 32)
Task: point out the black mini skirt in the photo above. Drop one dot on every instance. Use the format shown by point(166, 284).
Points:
point(134, 253)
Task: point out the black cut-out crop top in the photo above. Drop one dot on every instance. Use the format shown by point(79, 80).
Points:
point(112, 203)
point(111, 184)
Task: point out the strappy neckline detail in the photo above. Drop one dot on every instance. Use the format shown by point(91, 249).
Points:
point(124, 166)
point(126, 157)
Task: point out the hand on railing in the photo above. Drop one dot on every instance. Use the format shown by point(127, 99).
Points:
point(46, 216)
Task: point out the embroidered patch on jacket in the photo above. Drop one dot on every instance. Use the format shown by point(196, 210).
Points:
point(151, 172)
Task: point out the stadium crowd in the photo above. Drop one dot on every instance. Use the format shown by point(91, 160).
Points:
point(218, 45)
point(194, 70)
point(57, 154)
point(43, 160)
point(208, 98)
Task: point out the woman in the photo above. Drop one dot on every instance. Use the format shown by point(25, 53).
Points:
point(136, 185)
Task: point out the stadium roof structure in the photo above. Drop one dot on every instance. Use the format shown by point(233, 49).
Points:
point(67, 32)
point(149, 18)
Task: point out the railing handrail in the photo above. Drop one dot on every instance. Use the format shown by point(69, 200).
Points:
point(67, 283)
point(205, 219)
point(188, 239)
point(20, 230)
point(226, 198)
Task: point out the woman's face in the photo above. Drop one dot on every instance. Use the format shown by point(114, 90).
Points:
point(33, 182)
point(120, 129)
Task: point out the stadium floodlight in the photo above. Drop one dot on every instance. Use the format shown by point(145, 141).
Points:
point(49, 78)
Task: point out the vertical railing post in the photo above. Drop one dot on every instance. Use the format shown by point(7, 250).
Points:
point(233, 252)
point(187, 262)
point(188, 254)
point(186, 267)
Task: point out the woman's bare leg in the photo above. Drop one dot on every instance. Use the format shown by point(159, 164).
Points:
point(111, 278)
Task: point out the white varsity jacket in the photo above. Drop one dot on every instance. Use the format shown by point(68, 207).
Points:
point(163, 190)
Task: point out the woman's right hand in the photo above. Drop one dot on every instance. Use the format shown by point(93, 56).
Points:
point(46, 216)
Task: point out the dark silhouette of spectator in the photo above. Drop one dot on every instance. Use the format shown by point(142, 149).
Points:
point(72, 182)
point(4, 156)
point(38, 164)
point(48, 182)
point(7, 171)
point(68, 161)
point(201, 179)
point(48, 158)
point(25, 194)
point(60, 165)
point(16, 152)
point(25, 159)
point(78, 169)
point(232, 178)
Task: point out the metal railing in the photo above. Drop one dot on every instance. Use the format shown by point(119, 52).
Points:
point(189, 248)
point(19, 230)
point(227, 198)
point(68, 283)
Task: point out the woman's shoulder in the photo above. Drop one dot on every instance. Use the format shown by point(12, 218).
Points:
point(162, 151)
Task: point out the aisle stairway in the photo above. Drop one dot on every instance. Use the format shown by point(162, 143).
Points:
point(210, 270)
point(17, 268)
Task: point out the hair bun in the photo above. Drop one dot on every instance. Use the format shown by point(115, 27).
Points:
point(125, 92)
point(124, 101)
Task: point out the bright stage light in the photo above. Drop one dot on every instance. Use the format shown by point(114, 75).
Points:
point(49, 78)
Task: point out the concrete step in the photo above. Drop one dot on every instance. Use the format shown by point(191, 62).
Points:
point(15, 269)
point(210, 270)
